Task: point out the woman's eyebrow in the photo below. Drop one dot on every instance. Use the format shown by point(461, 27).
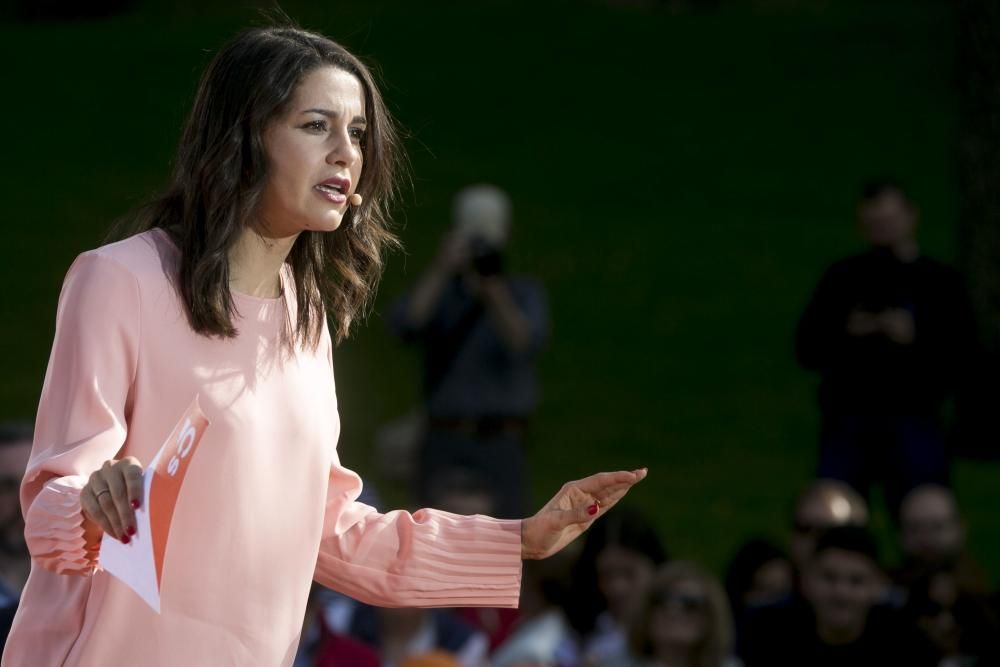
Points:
point(329, 113)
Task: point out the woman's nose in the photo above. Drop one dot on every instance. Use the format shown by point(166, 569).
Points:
point(344, 152)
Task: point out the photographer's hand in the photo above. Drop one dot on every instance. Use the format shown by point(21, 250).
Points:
point(452, 256)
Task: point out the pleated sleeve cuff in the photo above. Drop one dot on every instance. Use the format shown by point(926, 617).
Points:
point(468, 561)
point(438, 559)
point(54, 529)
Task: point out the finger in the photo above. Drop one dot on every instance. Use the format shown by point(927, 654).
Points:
point(612, 500)
point(133, 481)
point(93, 492)
point(619, 489)
point(119, 497)
point(101, 487)
point(598, 484)
point(603, 480)
point(608, 500)
point(584, 514)
point(106, 515)
point(611, 494)
point(92, 510)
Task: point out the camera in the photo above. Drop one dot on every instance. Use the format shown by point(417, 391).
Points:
point(487, 259)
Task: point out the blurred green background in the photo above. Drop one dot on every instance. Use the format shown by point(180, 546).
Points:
point(681, 178)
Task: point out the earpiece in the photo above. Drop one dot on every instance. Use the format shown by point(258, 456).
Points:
point(356, 199)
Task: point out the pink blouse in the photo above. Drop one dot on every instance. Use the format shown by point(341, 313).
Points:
point(266, 506)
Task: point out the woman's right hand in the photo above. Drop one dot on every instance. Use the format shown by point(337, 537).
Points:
point(112, 495)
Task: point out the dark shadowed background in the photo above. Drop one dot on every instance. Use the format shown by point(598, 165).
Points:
point(680, 179)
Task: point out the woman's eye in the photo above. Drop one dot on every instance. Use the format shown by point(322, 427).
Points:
point(357, 134)
point(315, 126)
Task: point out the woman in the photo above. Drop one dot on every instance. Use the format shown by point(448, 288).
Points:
point(684, 622)
point(275, 218)
point(760, 573)
point(619, 558)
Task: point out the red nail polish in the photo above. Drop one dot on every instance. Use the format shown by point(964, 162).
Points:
point(592, 510)
point(131, 530)
point(125, 539)
point(135, 504)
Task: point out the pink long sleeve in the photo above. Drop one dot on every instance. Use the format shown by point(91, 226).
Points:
point(81, 418)
point(426, 559)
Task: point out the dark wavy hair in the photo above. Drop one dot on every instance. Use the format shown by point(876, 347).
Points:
point(626, 527)
point(221, 169)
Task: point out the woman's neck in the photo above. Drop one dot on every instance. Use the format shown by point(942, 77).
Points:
point(255, 264)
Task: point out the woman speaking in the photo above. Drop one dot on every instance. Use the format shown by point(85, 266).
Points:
point(275, 219)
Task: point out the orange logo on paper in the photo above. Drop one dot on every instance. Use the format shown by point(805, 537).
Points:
point(168, 477)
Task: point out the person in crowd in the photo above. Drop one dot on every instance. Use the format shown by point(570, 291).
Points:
point(400, 634)
point(405, 632)
point(822, 504)
point(889, 332)
point(480, 329)
point(684, 621)
point(615, 566)
point(760, 573)
point(15, 561)
point(932, 537)
point(319, 646)
point(838, 619)
point(431, 659)
point(227, 298)
point(959, 627)
point(542, 636)
point(467, 491)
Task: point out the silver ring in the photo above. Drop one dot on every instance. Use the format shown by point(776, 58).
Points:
point(98, 494)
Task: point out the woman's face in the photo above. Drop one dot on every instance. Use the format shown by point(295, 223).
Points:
point(314, 155)
point(679, 618)
point(772, 581)
point(622, 576)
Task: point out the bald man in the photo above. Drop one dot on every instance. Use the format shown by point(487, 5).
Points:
point(824, 504)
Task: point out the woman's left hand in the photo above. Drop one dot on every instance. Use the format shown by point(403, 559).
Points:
point(572, 510)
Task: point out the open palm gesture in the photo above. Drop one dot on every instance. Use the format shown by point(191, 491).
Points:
point(572, 510)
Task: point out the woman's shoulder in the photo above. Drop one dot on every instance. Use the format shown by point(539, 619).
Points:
point(147, 256)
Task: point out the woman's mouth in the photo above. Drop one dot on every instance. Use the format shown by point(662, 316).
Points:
point(331, 193)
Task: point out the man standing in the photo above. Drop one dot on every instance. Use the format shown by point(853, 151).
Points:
point(479, 329)
point(889, 332)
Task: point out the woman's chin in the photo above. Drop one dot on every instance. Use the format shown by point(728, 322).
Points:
point(330, 222)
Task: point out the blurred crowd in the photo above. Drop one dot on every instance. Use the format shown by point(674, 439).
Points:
point(890, 334)
point(821, 597)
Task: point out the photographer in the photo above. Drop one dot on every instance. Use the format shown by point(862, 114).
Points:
point(479, 329)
